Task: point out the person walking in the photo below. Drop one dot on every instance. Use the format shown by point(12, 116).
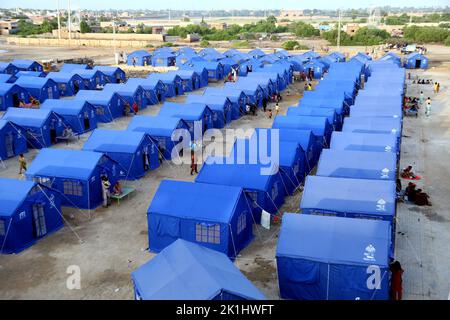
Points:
point(22, 164)
point(193, 163)
point(438, 87)
point(435, 89)
point(421, 99)
point(396, 281)
point(428, 107)
point(135, 108)
point(277, 108)
point(106, 185)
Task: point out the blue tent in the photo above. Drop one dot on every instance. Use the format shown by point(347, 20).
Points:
point(80, 115)
point(140, 58)
point(320, 126)
point(333, 258)
point(311, 55)
point(326, 103)
point(191, 79)
point(188, 271)
point(252, 90)
point(70, 67)
point(305, 138)
point(374, 110)
point(215, 69)
point(262, 182)
point(74, 173)
point(216, 216)
point(374, 125)
point(92, 79)
point(266, 84)
point(364, 142)
point(28, 212)
point(108, 105)
point(337, 57)
point(202, 72)
point(325, 97)
point(7, 78)
point(278, 84)
point(130, 92)
point(268, 59)
point(206, 51)
point(357, 164)
point(27, 65)
point(173, 83)
point(362, 57)
point(186, 50)
point(42, 127)
point(39, 88)
point(163, 59)
point(257, 53)
point(348, 86)
point(184, 58)
point(154, 90)
point(160, 128)
point(231, 52)
point(113, 74)
point(164, 50)
point(30, 74)
point(392, 57)
point(12, 140)
point(193, 114)
point(352, 198)
point(11, 95)
point(416, 60)
point(318, 68)
point(8, 68)
point(68, 83)
point(220, 106)
point(237, 98)
point(289, 154)
point(135, 152)
point(228, 65)
point(330, 113)
point(246, 68)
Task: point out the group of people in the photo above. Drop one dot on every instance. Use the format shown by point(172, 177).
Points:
point(411, 193)
point(127, 109)
point(232, 75)
point(106, 190)
point(34, 103)
point(422, 81)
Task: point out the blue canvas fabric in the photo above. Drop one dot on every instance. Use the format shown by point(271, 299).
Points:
point(332, 258)
point(320, 126)
point(113, 74)
point(184, 58)
point(278, 81)
point(68, 83)
point(374, 125)
point(92, 79)
point(154, 90)
point(215, 216)
point(312, 101)
point(8, 68)
point(27, 65)
point(39, 125)
point(348, 87)
point(364, 142)
point(69, 67)
point(329, 113)
point(353, 198)
point(75, 174)
point(80, 115)
point(266, 84)
point(191, 79)
point(317, 67)
point(160, 128)
point(380, 111)
point(228, 64)
point(11, 95)
point(202, 71)
point(17, 137)
point(136, 152)
point(257, 53)
point(186, 50)
point(108, 105)
point(265, 188)
point(191, 113)
point(337, 99)
point(188, 271)
point(357, 164)
point(17, 200)
point(39, 88)
point(7, 78)
point(141, 57)
point(220, 106)
point(30, 74)
point(410, 61)
point(163, 59)
point(215, 69)
point(130, 92)
point(237, 98)
point(253, 91)
point(173, 83)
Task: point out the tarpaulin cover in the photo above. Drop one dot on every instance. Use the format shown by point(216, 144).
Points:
point(373, 125)
point(364, 142)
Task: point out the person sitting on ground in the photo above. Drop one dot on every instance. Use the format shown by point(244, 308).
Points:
point(410, 192)
point(117, 189)
point(67, 132)
point(408, 173)
point(269, 113)
point(421, 198)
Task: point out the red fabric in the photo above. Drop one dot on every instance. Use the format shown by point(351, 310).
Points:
point(396, 281)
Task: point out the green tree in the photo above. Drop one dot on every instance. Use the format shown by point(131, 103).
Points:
point(204, 43)
point(290, 45)
point(84, 27)
point(271, 19)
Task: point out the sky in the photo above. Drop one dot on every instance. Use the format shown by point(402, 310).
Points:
point(218, 4)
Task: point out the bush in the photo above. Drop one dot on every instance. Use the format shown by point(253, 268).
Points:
point(303, 30)
point(204, 43)
point(426, 34)
point(290, 45)
point(362, 37)
point(274, 37)
point(447, 41)
point(241, 44)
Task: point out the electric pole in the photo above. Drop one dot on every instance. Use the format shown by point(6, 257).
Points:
point(59, 20)
point(69, 22)
point(339, 31)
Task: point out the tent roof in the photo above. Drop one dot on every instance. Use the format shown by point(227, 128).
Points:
point(140, 53)
point(75, 164)
point(6, 87)
point(95, 96)
point(359, 196)
point(70, 67)
point(33, 82)
point(4, 77)
point(103, 140)
point(226, 92)
point(27, 117)
point(394, 125)
point(146, 83)
point(188, 271)
point(192, 200)
point(12, 194)
point(187, 111)
point(23, 63)
point(334, 240)
point(302, 137)
point(61, 76)
point(168, 76)
point(247, 176)
point(316, 124)
point(162, 126)
point(108, 70)
point(64, 107)
point(341, 140)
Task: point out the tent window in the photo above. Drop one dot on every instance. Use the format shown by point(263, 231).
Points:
point(242, 222)
point(207, 233)
point(73, 188)
point(2, 228)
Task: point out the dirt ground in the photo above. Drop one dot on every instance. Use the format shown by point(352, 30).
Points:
point(108, 244)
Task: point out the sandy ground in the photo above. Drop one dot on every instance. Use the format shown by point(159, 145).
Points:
point(108, 244)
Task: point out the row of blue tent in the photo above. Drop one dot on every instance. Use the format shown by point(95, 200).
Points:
point(346, 228)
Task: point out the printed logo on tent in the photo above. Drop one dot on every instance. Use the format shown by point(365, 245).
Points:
point(22, 215)
point(385, 173)
point(395, 116)
point(394, 131)
point(369, 253)
point(381, 205)
point(388, 148)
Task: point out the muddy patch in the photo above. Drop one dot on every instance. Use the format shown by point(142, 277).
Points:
point(429, 213)
point(264, 271)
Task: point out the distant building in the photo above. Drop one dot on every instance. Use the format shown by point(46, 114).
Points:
point(218, 25)
point(9, 26)
point(291, 13)
point(158, 30)
point(351, 28)
point(192, 37)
